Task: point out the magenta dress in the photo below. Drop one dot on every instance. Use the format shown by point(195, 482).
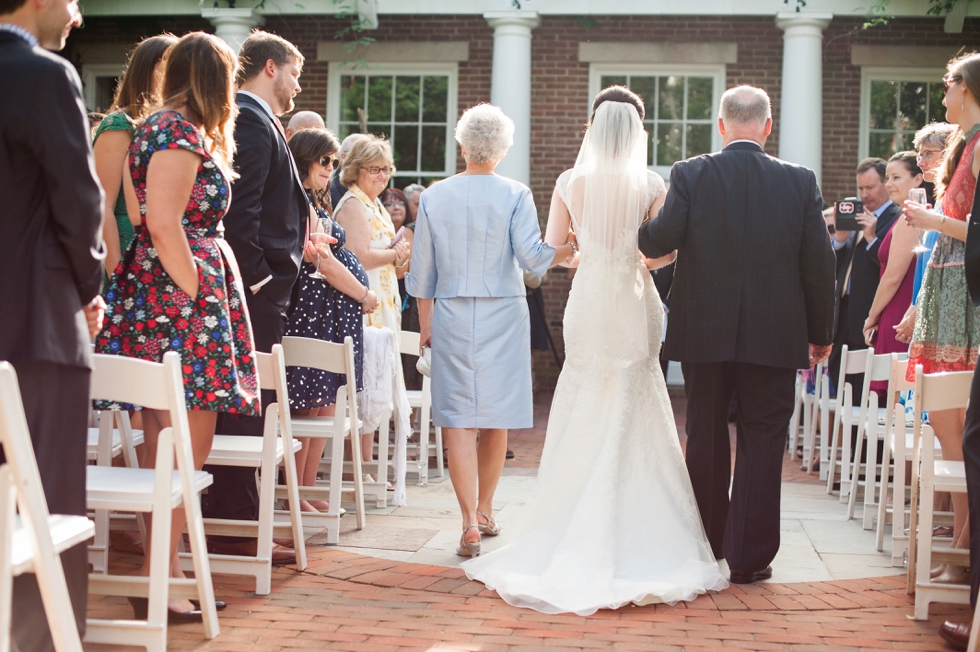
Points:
point(885, 341)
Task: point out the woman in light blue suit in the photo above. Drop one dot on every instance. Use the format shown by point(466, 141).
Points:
point(474, 234)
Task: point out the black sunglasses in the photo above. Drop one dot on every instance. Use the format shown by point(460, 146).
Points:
point(950, 80)
point(328, 161)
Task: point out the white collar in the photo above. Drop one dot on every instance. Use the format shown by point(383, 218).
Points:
point(262, 103)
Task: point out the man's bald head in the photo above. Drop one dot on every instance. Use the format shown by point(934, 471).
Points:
point(303, 120)
point(348, 144)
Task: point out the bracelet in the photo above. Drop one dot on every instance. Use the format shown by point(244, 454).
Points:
point(367, 291)
point(574, 251)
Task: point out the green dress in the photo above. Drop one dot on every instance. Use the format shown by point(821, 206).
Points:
point(119, 121)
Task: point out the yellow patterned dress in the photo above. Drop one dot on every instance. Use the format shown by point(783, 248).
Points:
point(382, 279)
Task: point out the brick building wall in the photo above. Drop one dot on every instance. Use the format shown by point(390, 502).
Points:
point(560, 83)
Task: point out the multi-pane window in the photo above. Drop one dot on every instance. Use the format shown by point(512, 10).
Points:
point(415, 110)
point(678, 114)
point(897, 109)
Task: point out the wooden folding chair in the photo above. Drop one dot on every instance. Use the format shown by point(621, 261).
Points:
point(158, 491)
point(422, 399)
point(847, 412)
point(934, 392)
point(335, 358)
point(34, 541)
point(264, 454)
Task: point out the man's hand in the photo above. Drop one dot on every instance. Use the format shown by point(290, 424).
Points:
point(867, 221)
point(819, 354)
point(94, 312)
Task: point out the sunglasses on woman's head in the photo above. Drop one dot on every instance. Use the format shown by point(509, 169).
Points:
point(950, 80)
point(328, 161)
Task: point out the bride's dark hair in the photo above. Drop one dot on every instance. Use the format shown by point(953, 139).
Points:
point(617, 94)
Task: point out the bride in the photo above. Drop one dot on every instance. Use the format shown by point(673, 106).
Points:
point(612, 518)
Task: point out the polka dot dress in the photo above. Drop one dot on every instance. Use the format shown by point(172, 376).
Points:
point(325, 313)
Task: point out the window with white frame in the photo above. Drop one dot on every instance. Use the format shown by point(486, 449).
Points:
point(99, 81)
point(414, 106)
point(681, 107)
point(895, 103)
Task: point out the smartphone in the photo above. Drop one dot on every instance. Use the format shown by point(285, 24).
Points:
point(398, 237)
point(846, 212)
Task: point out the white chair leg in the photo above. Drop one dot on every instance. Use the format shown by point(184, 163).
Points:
point(8, 508)
point(295, 515)
point(268, 473)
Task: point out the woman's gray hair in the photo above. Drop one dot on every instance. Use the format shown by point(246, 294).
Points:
point(745, 105)
point(485, 133)
point(413, 188)
point(935, 134)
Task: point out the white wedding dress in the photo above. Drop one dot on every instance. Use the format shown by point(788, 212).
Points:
point(612, 518)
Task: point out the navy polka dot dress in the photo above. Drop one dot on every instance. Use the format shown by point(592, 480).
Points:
point(325, 313)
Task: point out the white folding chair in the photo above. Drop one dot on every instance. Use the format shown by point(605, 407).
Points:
point(898, 448)
point(847, 412)
point(34, 544)
point(338, 359)
point(934, 392)
point(264, 454)
point(799, 424)
point(422, 399)
point(105, 443)
point(873, 431)
point(158, 491)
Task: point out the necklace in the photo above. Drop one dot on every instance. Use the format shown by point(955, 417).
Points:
point(968, 136)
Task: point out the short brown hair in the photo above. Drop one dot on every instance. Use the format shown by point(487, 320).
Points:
point(136, 94)
point(200, 75)
point(307, 146)
point(873, 163)
point(363, 152)
point(259, 48)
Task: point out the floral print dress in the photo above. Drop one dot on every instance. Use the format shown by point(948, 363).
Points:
point(148, 314)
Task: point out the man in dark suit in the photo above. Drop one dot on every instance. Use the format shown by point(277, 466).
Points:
point(751, 302)
point(858, 268)
point(266, 226)
point(958, 634)
point(50, 270)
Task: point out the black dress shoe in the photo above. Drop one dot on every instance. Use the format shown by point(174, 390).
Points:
point(751, 577)
point(141, 609)
point(219, 605)
point(956, 634)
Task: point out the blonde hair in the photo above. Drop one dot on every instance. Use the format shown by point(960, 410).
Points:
point(362, 154)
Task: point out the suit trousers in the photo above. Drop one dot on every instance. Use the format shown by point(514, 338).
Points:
point(234, 494)
point(56, 402)
point(854, 341)
point(743, 528)
point(971, 457)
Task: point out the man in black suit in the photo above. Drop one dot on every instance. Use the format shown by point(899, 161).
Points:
point(50, 270)
point(751, 302)
point(266, 226)
point(858, 268)
point(958, 634)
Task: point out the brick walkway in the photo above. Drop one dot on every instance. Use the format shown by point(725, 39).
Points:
point(345, 601)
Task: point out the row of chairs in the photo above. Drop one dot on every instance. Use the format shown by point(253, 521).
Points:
point(902, 439)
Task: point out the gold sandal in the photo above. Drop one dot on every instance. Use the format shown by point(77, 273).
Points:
point(490, 527)
point(468, 549)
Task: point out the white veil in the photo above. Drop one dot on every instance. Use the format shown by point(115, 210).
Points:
point(608, 196)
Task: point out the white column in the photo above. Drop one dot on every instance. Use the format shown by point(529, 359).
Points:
point(510, 85)
point(233, 25)
point(801, 103)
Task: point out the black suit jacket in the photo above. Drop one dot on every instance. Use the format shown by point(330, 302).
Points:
point(973, 251)
point(266, 222)
point(754, 276)
point(50, 209)
point(865, 274)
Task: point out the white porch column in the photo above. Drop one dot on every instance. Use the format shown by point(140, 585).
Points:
point(233, 25)
point(510, 86)
point(801, 104)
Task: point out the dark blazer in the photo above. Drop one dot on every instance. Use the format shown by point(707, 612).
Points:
point(754, 276)
point(266, 222)
point(50, 209)
point(973, 252)
point(865, 274)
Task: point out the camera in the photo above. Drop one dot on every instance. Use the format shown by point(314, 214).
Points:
point(846, 212)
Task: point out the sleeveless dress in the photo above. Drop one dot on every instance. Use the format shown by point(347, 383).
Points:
point(947, 325)
point(325, 313)
point(148, 314)
point(383, 280)
point(613, 518)
point(119, 121)
point(893, 313)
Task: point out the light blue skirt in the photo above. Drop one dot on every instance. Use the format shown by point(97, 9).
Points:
point(481, 363)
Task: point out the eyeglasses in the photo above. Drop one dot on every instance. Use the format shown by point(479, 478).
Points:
point(926, 154)
point(375, 170)
point(392, 204)
point(949, 81)
point(328, 161)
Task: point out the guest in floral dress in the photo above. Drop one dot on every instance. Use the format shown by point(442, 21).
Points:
point(138, 92)
point(178, 288)
point(947, 326)
point(370, 232)
point(329, 308)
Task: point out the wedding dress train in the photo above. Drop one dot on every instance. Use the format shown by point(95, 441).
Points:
point(612, 518)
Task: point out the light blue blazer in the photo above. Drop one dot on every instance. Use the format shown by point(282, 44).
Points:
point(473, 235)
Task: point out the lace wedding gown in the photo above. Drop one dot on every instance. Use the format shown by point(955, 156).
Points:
point(612, 518)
